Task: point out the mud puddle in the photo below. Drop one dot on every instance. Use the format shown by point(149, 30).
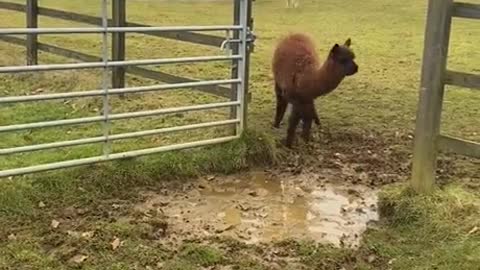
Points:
point(262, 207)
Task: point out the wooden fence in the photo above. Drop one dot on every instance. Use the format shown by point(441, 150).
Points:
point(428, 140)
point(119, 11)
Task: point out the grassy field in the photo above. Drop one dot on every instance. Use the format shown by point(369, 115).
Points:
point(416, 232)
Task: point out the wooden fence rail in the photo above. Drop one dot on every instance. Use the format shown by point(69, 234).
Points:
point(428, 140)
point(32, 11)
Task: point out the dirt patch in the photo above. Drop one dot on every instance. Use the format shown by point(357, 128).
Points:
point(263, 207)
point(367, 158)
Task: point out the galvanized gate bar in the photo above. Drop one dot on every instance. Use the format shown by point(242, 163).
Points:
point(240, 58)
point(98, 30)
point(129, 90)
point(116, 156)
point(163, 61)
point(115, 137)
point(93, 119)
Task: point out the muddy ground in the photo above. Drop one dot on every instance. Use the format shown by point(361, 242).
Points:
point(325, 191)
point(263, 207)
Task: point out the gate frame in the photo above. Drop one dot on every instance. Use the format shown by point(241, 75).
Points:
point(428, 140)
point(240, 60)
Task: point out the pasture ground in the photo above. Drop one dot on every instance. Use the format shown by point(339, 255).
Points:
point(85, 218)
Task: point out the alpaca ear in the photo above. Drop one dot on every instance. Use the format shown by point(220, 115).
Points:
point(348, 42)
point(335, 48)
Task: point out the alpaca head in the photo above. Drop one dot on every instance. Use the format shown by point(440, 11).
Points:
point(344, 58)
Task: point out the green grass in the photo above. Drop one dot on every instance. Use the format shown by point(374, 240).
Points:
point(19, 198)
point(416, 232)
point(429, 232)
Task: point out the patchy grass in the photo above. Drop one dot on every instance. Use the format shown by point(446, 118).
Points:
point(382, 97)
point(429, 232)
point(416, 232)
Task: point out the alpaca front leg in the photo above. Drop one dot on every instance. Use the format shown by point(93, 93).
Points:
point(315, 117)
point(307, 128)
point(296, 3)
point(308, 115)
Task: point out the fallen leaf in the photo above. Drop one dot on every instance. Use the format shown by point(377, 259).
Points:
point(224, 229)
point(88, 235)
point(37, 91)
point(55, 224)
point(115, 243)
point(391, 261)
point(78, 259)
point(243, 207)
point(73, 234)
point(12, 237)
point(262, 215)
point(473, 230)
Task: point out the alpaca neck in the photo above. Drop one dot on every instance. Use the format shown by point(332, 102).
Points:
point(327, 78)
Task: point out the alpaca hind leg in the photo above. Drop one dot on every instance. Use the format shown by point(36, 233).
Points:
point(281, 107)
point(295, 118)
point(316, 119)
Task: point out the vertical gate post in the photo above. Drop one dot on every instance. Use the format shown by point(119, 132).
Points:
point(31, 40)
point(437, 35)
point(119, 19)
point(105, 81)
point(235, 51)
point(247, 63)
point(242, 64)
point(236, 72)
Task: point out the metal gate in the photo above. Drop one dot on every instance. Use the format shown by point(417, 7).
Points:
point(241, 38)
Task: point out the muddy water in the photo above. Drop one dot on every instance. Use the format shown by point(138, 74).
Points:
point(260, 207)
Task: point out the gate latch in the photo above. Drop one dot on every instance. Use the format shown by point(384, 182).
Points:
point(228, 42)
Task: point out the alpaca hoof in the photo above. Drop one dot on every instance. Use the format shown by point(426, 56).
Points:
point(287, 144)
point(307, 137)
point(276, 125)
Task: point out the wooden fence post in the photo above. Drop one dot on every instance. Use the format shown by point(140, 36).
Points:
point(437, 35)
point(32, 40)
point(119, 19)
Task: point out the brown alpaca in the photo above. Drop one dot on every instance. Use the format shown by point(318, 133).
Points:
point(300, 79)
